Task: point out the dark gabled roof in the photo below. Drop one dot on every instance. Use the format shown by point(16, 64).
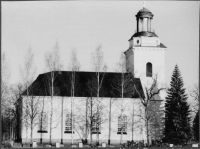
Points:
point(84, 85)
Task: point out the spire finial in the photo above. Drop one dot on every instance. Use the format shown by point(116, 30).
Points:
point(143, 4)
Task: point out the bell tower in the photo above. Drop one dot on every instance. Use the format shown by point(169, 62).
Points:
point(145, 56)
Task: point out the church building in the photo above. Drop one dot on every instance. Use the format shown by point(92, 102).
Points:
point(113, 114)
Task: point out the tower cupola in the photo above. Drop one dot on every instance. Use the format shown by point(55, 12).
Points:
point(144, 17)
point(144, 36)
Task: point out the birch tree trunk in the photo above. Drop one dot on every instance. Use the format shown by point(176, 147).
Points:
point(52, 61)
point(74, 66)
point(91, 121)
point(133, 122)
point(62, 123)
point(86, 122)
point(109, 135)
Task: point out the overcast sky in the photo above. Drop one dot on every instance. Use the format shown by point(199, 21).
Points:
point(86, 24)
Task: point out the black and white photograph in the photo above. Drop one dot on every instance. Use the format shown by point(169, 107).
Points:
point(110, 74)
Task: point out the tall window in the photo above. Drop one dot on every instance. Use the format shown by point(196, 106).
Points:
point(43, 123)
point(149, 70)
point(122, 124)
point(68, 123)
point(96, 124)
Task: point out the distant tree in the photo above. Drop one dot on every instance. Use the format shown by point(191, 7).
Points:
point(5, 74)
point(16, 91)
point(53, 64)
point(195, 94)
point(5, 102)
point(196, 127)
point(177, 114)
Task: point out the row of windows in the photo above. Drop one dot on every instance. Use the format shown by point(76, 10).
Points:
point(43, 123)
point(96, 126)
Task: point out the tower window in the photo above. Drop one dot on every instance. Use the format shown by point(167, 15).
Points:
point(149, 70)
point(137, 41)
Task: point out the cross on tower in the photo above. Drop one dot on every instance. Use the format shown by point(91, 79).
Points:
point(143, 4)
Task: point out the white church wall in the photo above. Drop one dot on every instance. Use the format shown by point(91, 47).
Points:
point(80, 112)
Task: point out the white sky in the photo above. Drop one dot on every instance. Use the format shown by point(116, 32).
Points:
point(85, 24)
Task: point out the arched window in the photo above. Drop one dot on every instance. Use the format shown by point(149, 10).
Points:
point(149, 69)
point(43, 123)
point(122, 124)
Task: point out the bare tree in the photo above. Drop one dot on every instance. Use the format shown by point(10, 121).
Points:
point(134, 119)
point(99, 68)
point(5, 82)
point(90, 109)
point(28, 73)
point(32, 111)
point(156, 120)
point(90, 117)
point(53, 64)
point(74, 67)
point(81, 119)
point(150, 93)
point(5, 113)
point(195, 95)
point(15, 91)
point(28, 69)
point(123, 86)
